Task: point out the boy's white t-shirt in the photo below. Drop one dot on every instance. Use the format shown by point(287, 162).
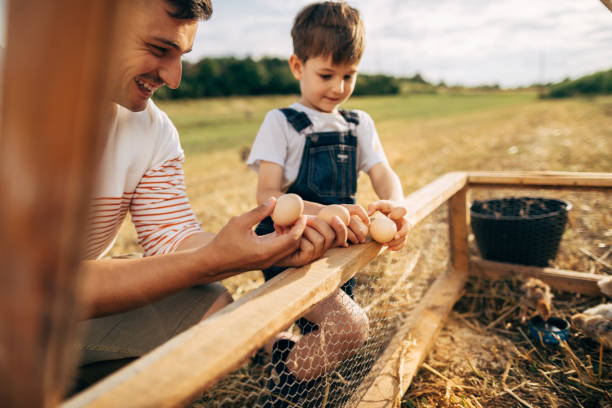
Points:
point(278, 142)
point(140, 172)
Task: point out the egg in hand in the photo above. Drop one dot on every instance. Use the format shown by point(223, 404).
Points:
point(327, 213)
point(383, 229)
point(289, 207)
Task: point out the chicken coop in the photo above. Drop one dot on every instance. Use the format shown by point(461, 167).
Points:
point(407, 297)
point(54, 138)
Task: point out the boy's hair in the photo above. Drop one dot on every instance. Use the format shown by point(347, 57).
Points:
point(191, 9)
point(329, 28)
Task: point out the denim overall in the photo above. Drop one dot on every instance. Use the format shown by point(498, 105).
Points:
point(327, 175)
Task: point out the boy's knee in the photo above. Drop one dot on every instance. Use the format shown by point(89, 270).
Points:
point(359, 327)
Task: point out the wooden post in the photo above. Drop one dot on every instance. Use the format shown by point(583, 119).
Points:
point(52, 98)
point(458, 230)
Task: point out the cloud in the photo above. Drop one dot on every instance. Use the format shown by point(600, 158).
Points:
point(510, 42)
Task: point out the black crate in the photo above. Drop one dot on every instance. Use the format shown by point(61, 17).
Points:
point(520, 230)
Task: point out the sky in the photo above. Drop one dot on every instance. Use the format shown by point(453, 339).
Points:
point(470, 42)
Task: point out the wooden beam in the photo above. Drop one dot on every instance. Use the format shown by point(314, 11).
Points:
point(195, 360)
point(570, 281)
point(424, 201)
point(408, 348)
point(544, 179)
point(54, 73)
point(608, 4)
point(458, 230)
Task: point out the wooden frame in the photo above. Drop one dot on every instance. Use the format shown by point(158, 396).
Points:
point(177, 371)
point(52, 114)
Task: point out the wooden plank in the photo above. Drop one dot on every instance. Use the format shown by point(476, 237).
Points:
point(52, 102)
point(570, 281)
point(195, 360)
point(597, 181)
point(458, 230)
point(409, 346)
point(424, 201)
point(607, 3)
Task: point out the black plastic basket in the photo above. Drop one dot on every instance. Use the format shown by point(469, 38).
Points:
point(520, 230)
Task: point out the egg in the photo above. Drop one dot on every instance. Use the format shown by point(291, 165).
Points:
point(326, 213)
point(382, 229)
point(289, 207)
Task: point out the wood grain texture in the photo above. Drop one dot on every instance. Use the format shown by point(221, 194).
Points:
point(458, 230)
point(570, 281)
point(542, 179)
point(52, 110)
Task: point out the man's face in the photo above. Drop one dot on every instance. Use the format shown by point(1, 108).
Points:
point(149, 52)
point(324, 85)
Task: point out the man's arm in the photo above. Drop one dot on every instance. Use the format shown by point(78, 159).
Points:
point(112, 286)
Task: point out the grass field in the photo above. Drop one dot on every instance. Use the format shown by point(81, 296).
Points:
point(424, 136)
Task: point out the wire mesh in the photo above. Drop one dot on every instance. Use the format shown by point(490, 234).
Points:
point(330, 363)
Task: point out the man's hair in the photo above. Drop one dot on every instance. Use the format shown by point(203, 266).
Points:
point(330, 28)
point(191, 9)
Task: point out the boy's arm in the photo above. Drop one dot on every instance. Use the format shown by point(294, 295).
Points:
point(385, 182)
point(269, 182)
point(269, 185)
point(388, 187)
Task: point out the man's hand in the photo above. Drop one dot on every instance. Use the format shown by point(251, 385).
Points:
point(318, 237)
point(396, 212)
point(358, 227)
point(237, 248)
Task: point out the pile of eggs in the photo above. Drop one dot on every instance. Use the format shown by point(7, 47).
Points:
point(289, 207)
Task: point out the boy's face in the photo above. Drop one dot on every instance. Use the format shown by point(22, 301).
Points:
point(149, 53)
point(323, 85)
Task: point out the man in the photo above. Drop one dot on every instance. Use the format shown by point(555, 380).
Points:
point(135, 305)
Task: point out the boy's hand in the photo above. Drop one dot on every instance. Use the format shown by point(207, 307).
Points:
point(397, 213)
point(358, 227)
point(318, 237)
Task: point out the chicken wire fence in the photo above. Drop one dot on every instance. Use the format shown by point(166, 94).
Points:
point(328, 359)
point(557, 228)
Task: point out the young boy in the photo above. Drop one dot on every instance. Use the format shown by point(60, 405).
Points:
point(316, 150)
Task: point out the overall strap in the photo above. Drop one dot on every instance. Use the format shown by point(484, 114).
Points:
point(299, 120)
point(350, 116)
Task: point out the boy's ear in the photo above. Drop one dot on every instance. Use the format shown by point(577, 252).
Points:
point(296, 66)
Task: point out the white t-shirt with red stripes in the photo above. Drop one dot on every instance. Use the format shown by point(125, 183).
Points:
point(141, 172)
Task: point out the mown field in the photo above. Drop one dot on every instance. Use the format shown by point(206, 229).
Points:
point(424, 137)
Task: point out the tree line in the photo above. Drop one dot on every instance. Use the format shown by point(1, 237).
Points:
point(599, 83)
point(230, 76)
